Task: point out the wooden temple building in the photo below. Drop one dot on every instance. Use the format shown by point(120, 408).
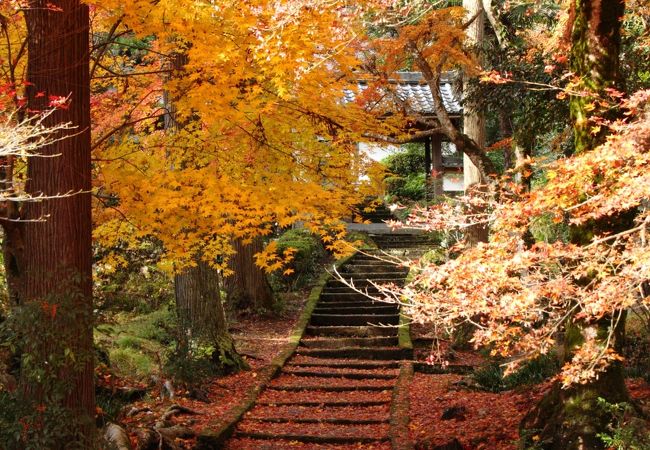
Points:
point(443, 163)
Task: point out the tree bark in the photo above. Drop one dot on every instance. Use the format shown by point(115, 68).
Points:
point(595, 46)
point(51, 249)
point(248, 287)
point(474, 123)
point(201, 315)
point(570, 419)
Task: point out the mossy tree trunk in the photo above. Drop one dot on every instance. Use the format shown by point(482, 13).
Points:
point(571, 418)
point(595, 46)
point(248, 286)
point(202, 317)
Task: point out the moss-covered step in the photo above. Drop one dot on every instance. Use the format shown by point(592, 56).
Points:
point(361, 331)
point(367, 309)
point(354, 352)
point(380, 341)
point(354, 319)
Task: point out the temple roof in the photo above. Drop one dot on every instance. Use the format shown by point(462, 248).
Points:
point(411, 87)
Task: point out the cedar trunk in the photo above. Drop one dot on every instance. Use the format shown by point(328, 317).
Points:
point(53, 267)
point(201, 315)
point(474, 124)
point(248, 287)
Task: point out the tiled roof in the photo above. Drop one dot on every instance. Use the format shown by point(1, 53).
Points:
point(412, 88)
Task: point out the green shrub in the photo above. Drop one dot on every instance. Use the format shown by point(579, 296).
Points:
point(408, 161)
point(490, 377)
point(129, 342)
point(626, 431)
point(308, 252)
point(411, 187)
point(139, 286)
point(193, 368)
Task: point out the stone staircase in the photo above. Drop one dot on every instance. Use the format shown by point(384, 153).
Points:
point(336, 390)
point(379, 215)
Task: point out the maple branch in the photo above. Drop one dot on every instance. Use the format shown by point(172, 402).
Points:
point(463, 143)
point(640, 228)
point(127, 75)
point(124, 125)
point(104, 46)
point(405, 140)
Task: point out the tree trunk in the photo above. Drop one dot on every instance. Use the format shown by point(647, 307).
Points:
point(595, 45)
point(201, 315)
point(474, 123)
point(248, 287)
point(570, 419)
point(51, 251)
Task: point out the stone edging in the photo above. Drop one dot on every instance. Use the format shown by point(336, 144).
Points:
point(215, 435)
point(399, 409)
point(404, 335)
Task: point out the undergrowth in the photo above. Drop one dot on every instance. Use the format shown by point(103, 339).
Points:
point(490, 377)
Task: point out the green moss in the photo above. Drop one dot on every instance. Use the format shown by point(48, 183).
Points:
point(131, 362)
point(129, 342)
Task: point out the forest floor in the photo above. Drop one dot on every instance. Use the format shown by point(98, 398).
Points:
point(259, 338)
point(477, 419)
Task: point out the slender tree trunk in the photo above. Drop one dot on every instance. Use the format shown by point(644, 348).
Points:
point(248, 287)
point(51, 255)
point(201, 315)
point(474, 123)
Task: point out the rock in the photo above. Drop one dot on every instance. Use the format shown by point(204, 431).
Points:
point(116, 437)
point(455, 412)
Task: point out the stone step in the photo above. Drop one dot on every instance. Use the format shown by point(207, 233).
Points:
point(360, 331)
point(380, 413)
point(342, 372)
point(363, 283)
point(332, 308)
point(355, 276)
point(356, 319)
point(353, 352)
point(384, 341)
point(350, 296)
point(306, 388)
point(372, 269)
point(327, 290)
point(356, 398)
point(374, 259)
point(335, 420)
point(315, 439)
point(364, 364)
point(368, 303)
point(400, 237)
